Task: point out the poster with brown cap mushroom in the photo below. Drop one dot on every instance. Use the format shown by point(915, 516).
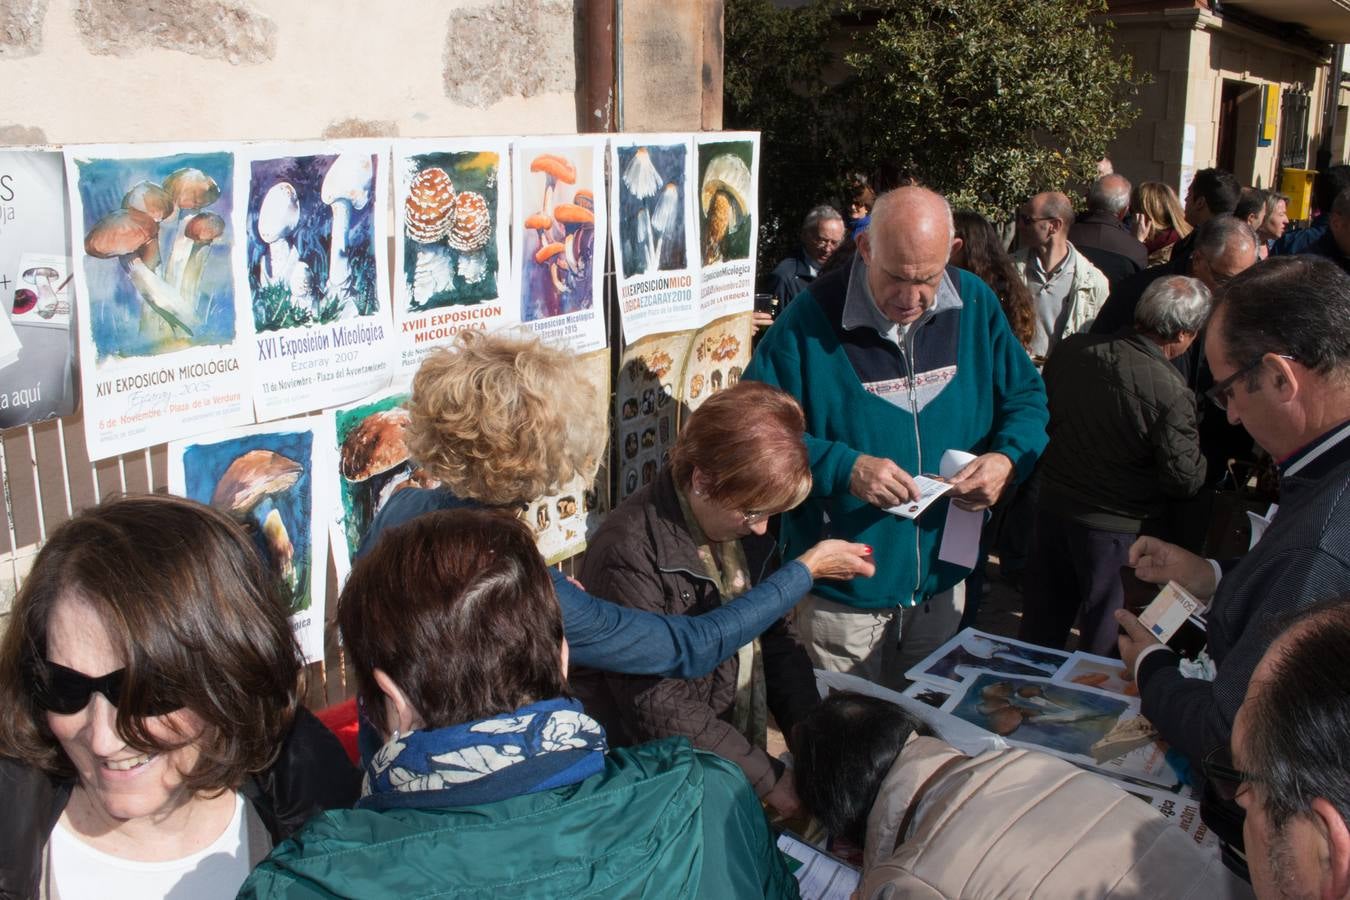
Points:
point(311, 246)
point(718, 354)
point(37, 345)
point(275, 481)
point(728, 197)
point(373, 464)
point(563, 522)
point(647, 406)
point(651, 223)
point(452, 250)
point(558, 261)
point(164, 336)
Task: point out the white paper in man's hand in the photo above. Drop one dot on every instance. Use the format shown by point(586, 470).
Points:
point(929, 490)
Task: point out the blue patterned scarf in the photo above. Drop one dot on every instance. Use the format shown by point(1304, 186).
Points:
point(535, 748)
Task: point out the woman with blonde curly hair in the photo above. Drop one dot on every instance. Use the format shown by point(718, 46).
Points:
point(502, 419)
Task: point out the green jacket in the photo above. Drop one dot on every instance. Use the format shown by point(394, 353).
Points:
point(960, 381)
point(662, 820)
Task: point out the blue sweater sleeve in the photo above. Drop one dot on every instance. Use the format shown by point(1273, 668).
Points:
point(613, 638)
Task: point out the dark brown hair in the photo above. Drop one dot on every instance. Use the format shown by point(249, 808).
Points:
point(186, 600)
point(748, 441)
point(986, 258)
point(457, 607)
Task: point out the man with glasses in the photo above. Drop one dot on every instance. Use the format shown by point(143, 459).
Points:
point(1287, 767)
point(895, 360)
point(822, 232)
point(1066, 288)
point(1278, 343)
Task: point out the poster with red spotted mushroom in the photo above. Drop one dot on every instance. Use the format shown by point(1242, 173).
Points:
point(652, 225)
point(558, 252)
point(452, 256)
point(310, 251)
point(728, 197)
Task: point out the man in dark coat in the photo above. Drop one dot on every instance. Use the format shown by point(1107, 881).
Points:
point(1100, 233)
point(822, 232)
point(1334, 244)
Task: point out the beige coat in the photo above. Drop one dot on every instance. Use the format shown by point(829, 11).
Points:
point(1087, 292)
point(1015, 823)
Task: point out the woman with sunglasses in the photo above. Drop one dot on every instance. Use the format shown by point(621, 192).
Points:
point(674, 548)
point(152, 739)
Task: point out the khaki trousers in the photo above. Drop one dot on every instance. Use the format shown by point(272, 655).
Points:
point(877, 644)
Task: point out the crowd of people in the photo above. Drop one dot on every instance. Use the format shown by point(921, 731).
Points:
point(524, 733)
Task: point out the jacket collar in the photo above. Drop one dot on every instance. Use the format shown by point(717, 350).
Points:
point(1320, 457)
point(671, 544)
point(1101, 217)
point(916, 762)
point(860, 308)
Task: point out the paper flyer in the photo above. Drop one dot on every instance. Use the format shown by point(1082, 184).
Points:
point(275, 481)
point(819, 875)
point(558, 261)
point(165, 347)
point(452, 249)
point(37, 345)
point(564, 521)
point(971, 650)
point(1092, 728)
point(930, 490)
point(372, 464)
point(652, 210)
point(646, 406)
point(728, 179)
point(310, 245)
point(1182, 807)
point(718, 355)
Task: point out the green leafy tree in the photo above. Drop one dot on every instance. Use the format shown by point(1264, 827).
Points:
point(988, 101)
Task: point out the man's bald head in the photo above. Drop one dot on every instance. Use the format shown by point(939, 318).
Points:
point(1110, 194)
point(1044, 221)
point(906, 248)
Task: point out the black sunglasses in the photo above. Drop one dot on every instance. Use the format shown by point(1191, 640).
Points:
point(1226, 779)
point(65, 692)
point(1222, 392)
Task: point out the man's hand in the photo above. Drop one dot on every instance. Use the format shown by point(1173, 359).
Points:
point(1133, 642)
point(1159, 562)
point(979, 483)
point(761, 320)
point(881, 482)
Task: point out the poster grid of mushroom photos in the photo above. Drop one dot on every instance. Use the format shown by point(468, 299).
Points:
point(187, 292)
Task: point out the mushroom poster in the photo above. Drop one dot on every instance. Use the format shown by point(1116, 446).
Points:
point(647, 406)
point(652, 221)
point(310, 246)
point(452, 251)
point(372, 463)
point(163, 344)
point(37, 346)
point(274, 481)
point(718, 355)
point(558, 260)
point(728, 197)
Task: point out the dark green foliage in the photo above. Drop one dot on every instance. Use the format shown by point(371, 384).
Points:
point(988, 101)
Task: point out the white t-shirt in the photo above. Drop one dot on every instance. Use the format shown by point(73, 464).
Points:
point(216, 871)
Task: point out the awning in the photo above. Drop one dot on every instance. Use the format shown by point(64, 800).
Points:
point(1325, 20)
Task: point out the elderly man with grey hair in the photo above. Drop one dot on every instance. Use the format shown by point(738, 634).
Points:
point(1123, 444)
point(1100, 233)
point(822, 232)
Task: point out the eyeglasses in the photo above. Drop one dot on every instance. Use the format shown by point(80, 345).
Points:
point(65, 692)
point(1226, 779)
point(753, 518)
point(1222, 392)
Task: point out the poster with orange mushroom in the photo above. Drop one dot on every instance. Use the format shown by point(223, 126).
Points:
point(452, 249)
point(652, 224)
point(275, 481)
point(556, 254)
point(728, 197)
point(310, 253)
point(164, 334)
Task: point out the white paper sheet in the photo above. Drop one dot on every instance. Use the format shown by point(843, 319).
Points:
point(961, 533)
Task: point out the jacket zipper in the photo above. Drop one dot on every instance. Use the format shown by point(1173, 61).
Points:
point(907, 353)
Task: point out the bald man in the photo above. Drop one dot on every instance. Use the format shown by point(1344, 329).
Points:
point(896, 360)
point(1066, 288)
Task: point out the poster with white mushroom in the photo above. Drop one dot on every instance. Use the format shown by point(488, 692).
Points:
point(563, 522)
point(276, 481)
point(452, 250)
point(728, 180)
point(372, 464)
point(37, 346)
point(310, 245)
point(558, 261)
point(163, 332)
point(718, 355)
point(647, 406)
point(652, 222)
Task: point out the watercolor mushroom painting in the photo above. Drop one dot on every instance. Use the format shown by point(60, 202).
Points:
point(651, 213)
point(559, 241)
point(449, 210)
point(724, 196)
point(156, 257)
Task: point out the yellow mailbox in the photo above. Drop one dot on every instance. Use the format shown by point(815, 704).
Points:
point(1297, 185)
